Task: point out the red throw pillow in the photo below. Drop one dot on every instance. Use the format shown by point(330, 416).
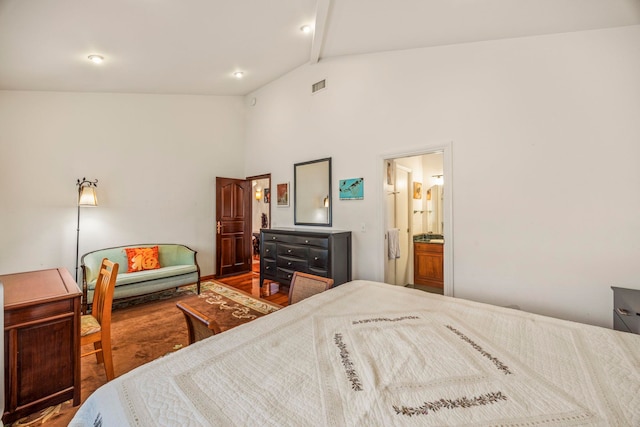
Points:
point(142, 259)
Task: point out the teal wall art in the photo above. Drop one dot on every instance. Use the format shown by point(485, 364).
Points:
point(352, 189)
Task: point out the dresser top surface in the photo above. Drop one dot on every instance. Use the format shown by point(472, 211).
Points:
point(34, 286)
point(296, 230)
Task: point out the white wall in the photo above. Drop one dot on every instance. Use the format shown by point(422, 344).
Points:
point(155, 156)
point(545, 135)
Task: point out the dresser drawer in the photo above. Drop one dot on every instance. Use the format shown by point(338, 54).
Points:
point(292, 263)
point(293, 251)
point(269, 250)
point(318, 258)
point(269, 266)
point(309, 241)
point(285, 275)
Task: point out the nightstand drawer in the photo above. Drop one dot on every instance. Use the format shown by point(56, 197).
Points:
point(626, 309)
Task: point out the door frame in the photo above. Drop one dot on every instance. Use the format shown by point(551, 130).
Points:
point(446, 149)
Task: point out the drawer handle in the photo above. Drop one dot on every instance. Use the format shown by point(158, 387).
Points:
point(267, 268)
point(289, 250)
point(268, 250)
point(306, 241)
point(288, 276)
point(623, 312)
point(289, 263)
point(274, 237)
point(315, 258)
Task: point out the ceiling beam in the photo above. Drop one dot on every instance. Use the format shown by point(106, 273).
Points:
point(322, 14)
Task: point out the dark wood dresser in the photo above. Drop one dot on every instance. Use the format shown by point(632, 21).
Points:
point(41, 341)
point(626, 309)
point(323, 253)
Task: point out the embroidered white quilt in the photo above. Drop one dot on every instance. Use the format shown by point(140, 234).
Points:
point(367, 353)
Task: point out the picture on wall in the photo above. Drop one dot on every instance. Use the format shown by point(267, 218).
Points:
point(417, 190)
point(282, 194)
point(352, 189)
point(267, 195)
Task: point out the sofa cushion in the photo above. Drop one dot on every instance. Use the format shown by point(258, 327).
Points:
point(139, 259)
point(147, 275)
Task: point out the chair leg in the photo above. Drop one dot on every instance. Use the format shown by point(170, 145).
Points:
point(108, 360)
point(97, 346)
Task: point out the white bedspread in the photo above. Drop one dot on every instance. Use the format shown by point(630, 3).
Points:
point(367, 353)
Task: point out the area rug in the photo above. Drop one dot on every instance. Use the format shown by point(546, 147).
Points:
point(150, 327)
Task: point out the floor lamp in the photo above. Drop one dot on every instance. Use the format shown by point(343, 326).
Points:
point(86, 197)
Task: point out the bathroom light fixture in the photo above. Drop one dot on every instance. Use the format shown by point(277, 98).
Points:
point(306, 29)
point(439, 179)
point(96, 59)
point(258, 193)
point(238, 74)
point(86, 197)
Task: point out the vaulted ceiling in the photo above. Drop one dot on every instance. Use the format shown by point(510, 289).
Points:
point(195, 46)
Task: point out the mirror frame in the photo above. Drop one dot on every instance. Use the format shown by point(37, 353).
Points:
point(301, 192)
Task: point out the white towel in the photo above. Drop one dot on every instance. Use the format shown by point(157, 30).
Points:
point(393, 242)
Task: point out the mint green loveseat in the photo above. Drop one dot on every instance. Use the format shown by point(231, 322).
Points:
point(178, 267)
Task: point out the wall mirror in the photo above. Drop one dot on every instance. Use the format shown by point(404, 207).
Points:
point(312, 192)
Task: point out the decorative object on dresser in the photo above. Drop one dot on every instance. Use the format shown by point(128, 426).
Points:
point(40, 371)
point(626, 309)
point(284, 251)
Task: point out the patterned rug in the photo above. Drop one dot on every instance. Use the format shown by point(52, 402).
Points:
point(146, 328)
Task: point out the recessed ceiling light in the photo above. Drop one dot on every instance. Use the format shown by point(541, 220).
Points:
point(96, 59)
point(238, 74)
point(306, 29)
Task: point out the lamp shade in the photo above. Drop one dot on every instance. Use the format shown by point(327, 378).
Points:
point(88, 196)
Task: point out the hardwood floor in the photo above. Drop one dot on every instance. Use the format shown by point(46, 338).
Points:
point(247, 282)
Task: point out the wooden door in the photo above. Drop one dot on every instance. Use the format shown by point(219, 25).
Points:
point(233, 226)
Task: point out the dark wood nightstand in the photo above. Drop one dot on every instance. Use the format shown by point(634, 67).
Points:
point(626, 309)
point(41, 341)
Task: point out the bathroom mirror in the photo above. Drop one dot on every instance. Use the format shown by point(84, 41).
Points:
point(312, 192)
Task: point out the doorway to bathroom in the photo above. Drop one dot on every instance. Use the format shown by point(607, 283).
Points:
point(416, 215)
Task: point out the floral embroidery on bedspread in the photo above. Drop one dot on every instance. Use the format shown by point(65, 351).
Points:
point(352, 375)
point(384, 319)
point(495, 360)
point(461, 402)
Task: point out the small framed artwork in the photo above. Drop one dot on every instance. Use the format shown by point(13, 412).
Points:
point(417, 190)
point(389, 167)
point(352, 189)
point(267, 195)
point(282, 194)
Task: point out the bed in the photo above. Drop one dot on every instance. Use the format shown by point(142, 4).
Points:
point(368, 353)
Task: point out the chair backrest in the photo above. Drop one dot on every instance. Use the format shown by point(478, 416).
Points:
point(103, 294)
point(199, 325)
point(304, 285)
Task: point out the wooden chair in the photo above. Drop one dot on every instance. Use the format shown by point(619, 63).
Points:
point(199, 326)
point(96, 327)
point(304, 285)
